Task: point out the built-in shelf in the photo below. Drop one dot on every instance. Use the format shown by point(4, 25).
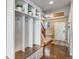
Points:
point(19, 12)
point(30, 10)
point(27, 9)
point(22, 13)
point(28, 16)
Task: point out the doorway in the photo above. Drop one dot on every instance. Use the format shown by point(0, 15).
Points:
point(60, 31)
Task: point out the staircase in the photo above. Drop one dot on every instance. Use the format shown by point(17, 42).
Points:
point(43, 30)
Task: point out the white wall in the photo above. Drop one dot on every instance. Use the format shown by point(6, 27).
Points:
point(10, 29)
point(70, 30)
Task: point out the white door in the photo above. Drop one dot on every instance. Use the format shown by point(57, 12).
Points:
point(60, 31)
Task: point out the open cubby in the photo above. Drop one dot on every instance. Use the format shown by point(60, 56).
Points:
point(30, 10)
point(19, 32)
point(19, 5)
point(26, 8)
point(37, 12)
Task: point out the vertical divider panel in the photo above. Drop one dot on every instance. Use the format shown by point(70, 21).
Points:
point(26, 32)
point(37, 30)
point(23, 41)
point(30, 32)
point(10, 29)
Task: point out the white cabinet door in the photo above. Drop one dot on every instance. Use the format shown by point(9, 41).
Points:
point(60, 31)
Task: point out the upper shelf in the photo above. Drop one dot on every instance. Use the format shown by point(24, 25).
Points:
point(19, 13)
point(24, 7)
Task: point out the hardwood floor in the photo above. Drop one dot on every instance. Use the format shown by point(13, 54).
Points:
point(52, 51)
point(28, 51)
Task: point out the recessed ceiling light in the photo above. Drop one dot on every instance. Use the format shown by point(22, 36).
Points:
point(51, 2)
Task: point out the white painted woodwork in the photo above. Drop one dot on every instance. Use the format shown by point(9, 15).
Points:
point(30, 32)
point(25, 7)
point(23, 41)
point(19, 33)
point(37, 32)
point(70, 30)
point(26, 33)
point(10, 29)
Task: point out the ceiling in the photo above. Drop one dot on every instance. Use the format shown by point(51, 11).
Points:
point(44, 4)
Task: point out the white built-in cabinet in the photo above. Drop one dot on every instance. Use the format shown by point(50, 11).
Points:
point(23, 26)
point(27, 27)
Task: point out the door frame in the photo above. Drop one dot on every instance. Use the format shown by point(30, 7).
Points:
point(64, 19)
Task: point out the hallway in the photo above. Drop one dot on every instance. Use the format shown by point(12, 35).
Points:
point(32, 24)
point(52, 51)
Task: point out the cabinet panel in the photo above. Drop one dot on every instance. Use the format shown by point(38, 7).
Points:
point(18, 33)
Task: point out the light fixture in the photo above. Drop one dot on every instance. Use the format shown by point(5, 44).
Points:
point(51, 15)
point(51, 2)
point(46, 16)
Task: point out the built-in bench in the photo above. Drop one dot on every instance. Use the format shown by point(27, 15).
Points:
point(36, 52)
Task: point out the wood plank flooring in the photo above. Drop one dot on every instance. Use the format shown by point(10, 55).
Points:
point(52, 51)
point(28, 51)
